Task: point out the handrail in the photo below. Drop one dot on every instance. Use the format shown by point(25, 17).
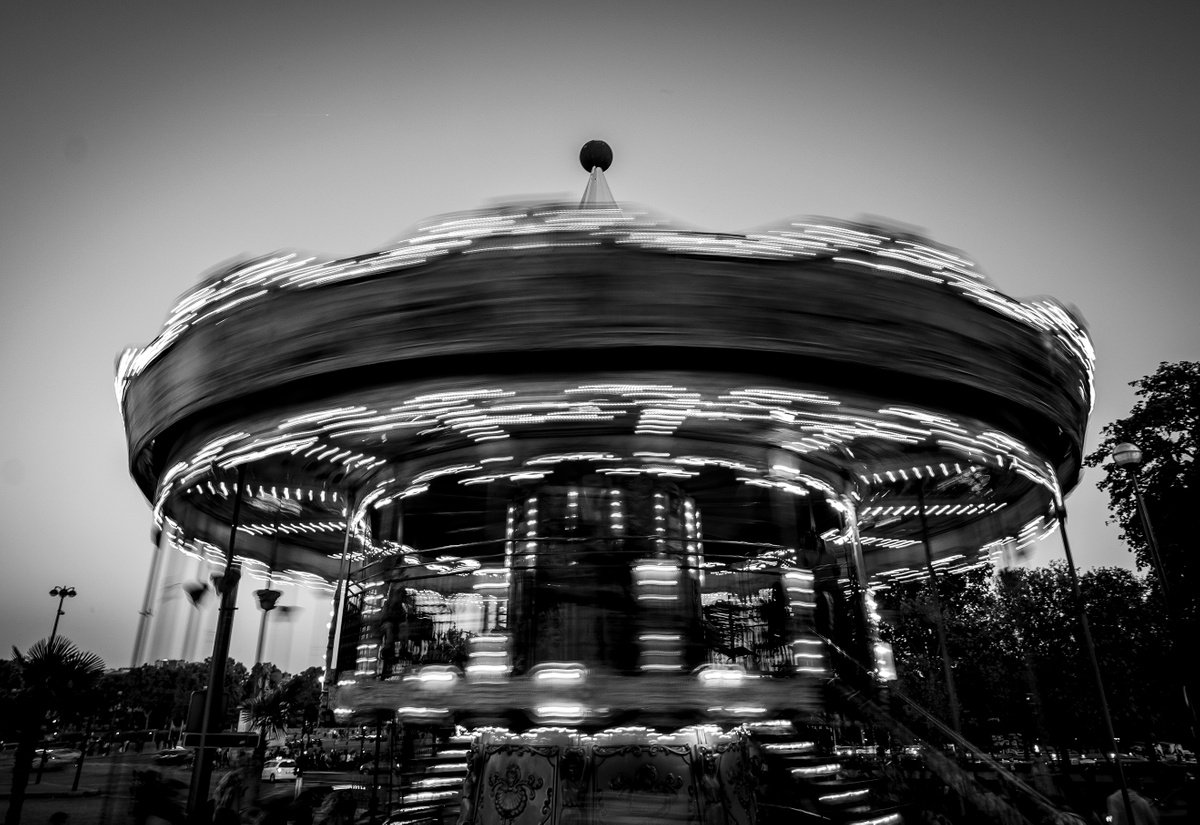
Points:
point(676, 547)
point(813, 815)
point(944, 768)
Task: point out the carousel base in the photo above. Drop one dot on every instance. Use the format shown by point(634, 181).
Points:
point(548, 777)
point(764, 773)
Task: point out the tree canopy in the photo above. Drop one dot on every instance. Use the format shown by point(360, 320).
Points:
point(1018, 666)
point(1165, 425)
point(49, 684)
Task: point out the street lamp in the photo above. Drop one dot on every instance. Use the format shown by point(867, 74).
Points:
point(267, 600)
point(1129, 457)
point(60, 593)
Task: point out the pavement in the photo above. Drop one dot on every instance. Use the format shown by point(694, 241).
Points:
point(57, 786)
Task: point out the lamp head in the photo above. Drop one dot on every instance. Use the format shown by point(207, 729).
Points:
point(1127, 455)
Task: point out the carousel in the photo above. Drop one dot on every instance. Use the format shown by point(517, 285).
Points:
point(595, 505)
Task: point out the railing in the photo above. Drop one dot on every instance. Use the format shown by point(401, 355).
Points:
point(1018, 803)
point(739, 613)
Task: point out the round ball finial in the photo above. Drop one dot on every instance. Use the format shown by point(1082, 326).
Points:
point(595, 153)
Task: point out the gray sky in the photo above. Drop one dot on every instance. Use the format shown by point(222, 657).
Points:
point(1054, 143)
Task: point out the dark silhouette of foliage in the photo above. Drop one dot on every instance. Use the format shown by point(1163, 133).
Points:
point(55, 680)
point(1165, 424)
point(1017, 661)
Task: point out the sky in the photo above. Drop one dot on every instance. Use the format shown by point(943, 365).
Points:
point(145, 143)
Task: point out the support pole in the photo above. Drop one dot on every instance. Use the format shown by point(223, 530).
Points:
point(268, 607)
point(58, 614)
point(146, 612)
point(375, 775)
point(339, 605)
point(1168, 600)
point(940, 617)
point(1061, 513)
point(213, 700)
point(863, 630)
point(1151, 541)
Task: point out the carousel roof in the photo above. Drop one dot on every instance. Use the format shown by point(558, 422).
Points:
point(830, 360)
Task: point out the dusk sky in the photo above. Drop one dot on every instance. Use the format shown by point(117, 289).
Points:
point(144, 143)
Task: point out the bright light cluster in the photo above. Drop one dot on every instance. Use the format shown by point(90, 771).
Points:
point(870, 249)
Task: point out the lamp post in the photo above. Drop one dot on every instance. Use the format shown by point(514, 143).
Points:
point(267, 601)
point(1090, 646)
point(1129, 457)
point(62, 594)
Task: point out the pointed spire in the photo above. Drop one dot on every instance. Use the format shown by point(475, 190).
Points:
point(597, 194)
point(595, 157)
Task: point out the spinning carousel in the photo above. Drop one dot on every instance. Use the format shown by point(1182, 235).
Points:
point(604, 497)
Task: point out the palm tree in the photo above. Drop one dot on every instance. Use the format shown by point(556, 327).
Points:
point(268, 713)
point(55, 676)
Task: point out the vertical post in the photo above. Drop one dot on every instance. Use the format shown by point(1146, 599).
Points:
point(1151, 541)
point(145, 613)
point(202, 768)
point(1061, 513)
point(1169, 602)
point(858, 591)
point(268, 606)
point(940, 618)
point(57, 615)
point(87, 735)
point(262, 633)
point(375, 773)
point(339, 604)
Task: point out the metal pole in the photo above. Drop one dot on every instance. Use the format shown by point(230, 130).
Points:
point(951, 691)
point(339, 604)
point(58, 613)
point(858, 590)
point(262, 634)
point(146, 612)
point(1151, 541)
point(87, 735)
point(1168, 600)
point(262, 625)
point(63, 594)
point(1061, 513)
point(375, 774)
point(202, 767)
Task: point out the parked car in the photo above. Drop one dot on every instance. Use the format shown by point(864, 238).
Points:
point(382, 767)
point(281, 767)
point(1176, 806)
point(175, 756)
point(55, 758)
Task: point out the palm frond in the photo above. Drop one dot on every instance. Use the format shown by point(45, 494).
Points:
point(57, 665)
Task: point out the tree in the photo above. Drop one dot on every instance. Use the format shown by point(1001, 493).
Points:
point(981, 645)
point(1165, 424)
point(304, 695)
point(55, 677)
point(10, 688)
point(156, 696)
point(1018, 664)
point(262, 678)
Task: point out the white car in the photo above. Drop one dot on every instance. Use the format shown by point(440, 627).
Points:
point(55, 758)
point(281, 767)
